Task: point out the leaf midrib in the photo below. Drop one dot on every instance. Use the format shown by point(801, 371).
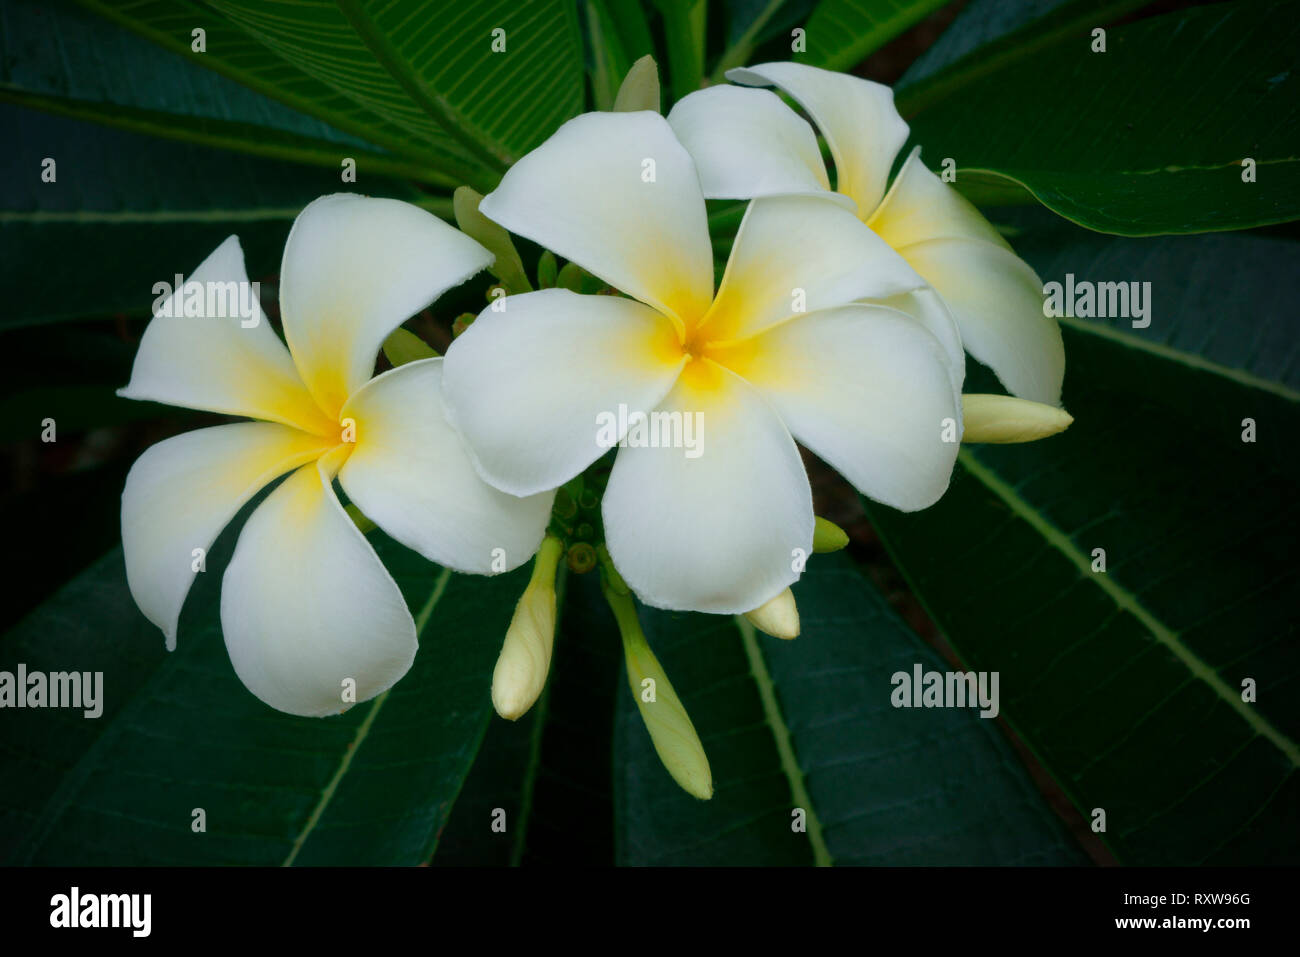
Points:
point(1189, 359)
point(1128, 602)
point(328, 792)
point(781, 736)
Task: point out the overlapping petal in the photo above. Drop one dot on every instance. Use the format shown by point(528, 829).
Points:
point(355, 267)
point(411, 474)
point(868, 390)
point(527, 386)
point(719, 531)
point(183, 491)
point(857, 117)
point(311, 617)
point(619, 195)
point(997, 300)
point(221, 360)
point(927, 307)
point(920, 206)
point(748, 143)
point(800, 254)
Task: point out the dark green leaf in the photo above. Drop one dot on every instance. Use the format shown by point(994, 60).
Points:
point(63, 60)
point(433, 70)
point(618, 36)
point(96, 240)
point(1128, 683)
point(1148, 137)
point(550, 771)
point(988, 34)
point(809, 724)
point(180, 732)
point(840, 33)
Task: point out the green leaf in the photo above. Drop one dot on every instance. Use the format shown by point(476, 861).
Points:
point(746, 25)
point(433, 71)
point(619, 36)
point(550, 770)
point(684, 29)
point(63, 60)
point(1128, 683)
point(119, 232)
point(810, 718)
point(180, 732)
point(989, 34)
point(841, 33)
point(1146, 138)
point(808, 724)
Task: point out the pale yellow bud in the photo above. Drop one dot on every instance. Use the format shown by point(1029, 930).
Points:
point(521, 670)
point(640, 89)
point(507, 266)
point(1004, 418)
point(663, 713)
point(777, 616)
point(828, 537)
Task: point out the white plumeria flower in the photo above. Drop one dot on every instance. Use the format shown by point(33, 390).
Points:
point(748, 143)
point(312, 619)
point(864, 386)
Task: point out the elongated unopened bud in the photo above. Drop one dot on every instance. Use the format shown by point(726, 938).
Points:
point(508, 267)
point(640, 89)
point(663, 713)
point(1004, 418)
point(828, 537)
point(525, 658)
point(547, 270)
point(403, 346)
point(777, 616)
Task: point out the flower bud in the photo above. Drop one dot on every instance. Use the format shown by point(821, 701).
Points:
point(1004, 418)
point(461, 323)
point(640, 88)
point(525, 657)
point(663, 713)
point(828, 537)
point(507, 266)
point(570, 277)
point(403, 346)
point(777, 616)
point(581, 558)
point(547, 270)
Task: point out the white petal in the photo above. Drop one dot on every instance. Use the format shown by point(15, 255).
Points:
point(800, 254)
point(532, 387)
point(926, 307)
point(868, 390)
point(617, 194)
point(307, 608)
point(748, 143)
point(997, 300)
point(412, 476)
point(921, 206)
point(183, 491)
point(355, 268)
point(227, 359)
point(721, 531)
point(857, 117)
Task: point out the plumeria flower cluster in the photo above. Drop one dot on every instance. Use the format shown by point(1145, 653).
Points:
point(645, 422)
